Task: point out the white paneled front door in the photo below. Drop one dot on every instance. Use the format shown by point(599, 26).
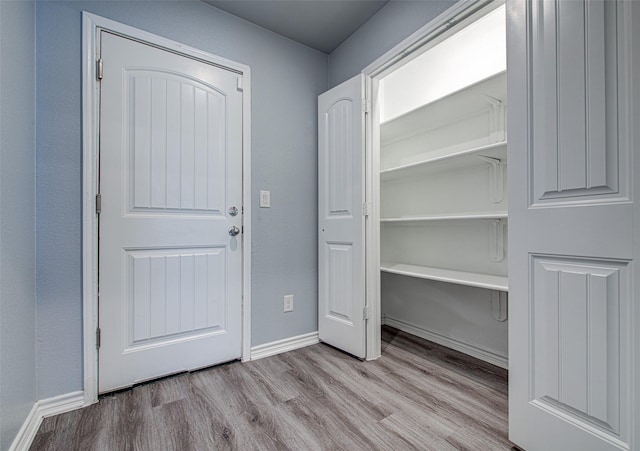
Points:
point(341, 277)
point(573, 68)
point(171, 191)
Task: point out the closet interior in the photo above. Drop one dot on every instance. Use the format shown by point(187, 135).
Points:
point(443, 192)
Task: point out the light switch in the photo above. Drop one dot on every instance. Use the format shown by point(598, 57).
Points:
point(265, 199)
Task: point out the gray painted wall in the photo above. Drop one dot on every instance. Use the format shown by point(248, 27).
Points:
point(286, 79)
point(397, 20)
point(17, 217)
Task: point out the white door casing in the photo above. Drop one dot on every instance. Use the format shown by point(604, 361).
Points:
point(574, 315)
point(341, 267)
point(170, 169)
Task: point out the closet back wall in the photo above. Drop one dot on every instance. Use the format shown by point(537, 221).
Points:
point(286, 80)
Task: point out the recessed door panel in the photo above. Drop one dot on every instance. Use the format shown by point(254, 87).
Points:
point(175, 292)
point(577, 318)
point(339, 138)
point(340, 306)
point(575, 97)
point(175, 148)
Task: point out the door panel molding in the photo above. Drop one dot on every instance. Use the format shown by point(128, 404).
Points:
point(184, 187)
point(91, 25)
point(577, 91)
point(580, 344)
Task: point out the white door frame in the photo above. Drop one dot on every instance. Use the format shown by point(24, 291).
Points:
point(91, 26)
point(412, 47)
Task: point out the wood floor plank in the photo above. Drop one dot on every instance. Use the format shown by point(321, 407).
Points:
point(418, 395)
point(419, 432)
point(463, 364)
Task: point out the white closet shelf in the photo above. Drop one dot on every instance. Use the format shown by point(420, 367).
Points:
point(448, 217)
point(447, 109)
point(449, 161)
point(488, 281)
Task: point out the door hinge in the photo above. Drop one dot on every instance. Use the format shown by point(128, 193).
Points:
point(366, 206)
point(366, 106)
point(240, 86)
point(99, 69)
point(365, 312)
point(98, 203)
point(98, 337)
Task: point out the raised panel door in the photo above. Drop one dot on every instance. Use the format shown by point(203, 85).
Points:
point(572, 242)
point(341, 222)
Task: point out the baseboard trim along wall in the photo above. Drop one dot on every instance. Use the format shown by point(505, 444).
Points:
point(287, 344)
point(479, 353)
point(41, 410)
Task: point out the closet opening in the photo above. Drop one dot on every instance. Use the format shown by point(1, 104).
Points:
point(436, 167)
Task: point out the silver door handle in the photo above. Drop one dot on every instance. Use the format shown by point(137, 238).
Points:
point(233, 230)
point(233, 211)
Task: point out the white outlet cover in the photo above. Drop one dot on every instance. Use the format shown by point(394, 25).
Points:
point(288, 303)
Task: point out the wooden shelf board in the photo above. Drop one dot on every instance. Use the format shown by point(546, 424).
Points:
point(448, 217)
point(488, 281)
point(454, 160)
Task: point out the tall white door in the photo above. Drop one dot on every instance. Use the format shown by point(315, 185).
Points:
point(341, 278)
point(170, 178)
point(574, 341)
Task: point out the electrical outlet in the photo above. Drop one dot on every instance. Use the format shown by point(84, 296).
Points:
point(288, 303)
point(265, 199)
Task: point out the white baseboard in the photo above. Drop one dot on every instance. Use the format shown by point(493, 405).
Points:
point(287, 344)
point(479, 353)
point(41, 410)
point(28, 431)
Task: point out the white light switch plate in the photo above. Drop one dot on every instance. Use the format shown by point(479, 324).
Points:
point(265, 199)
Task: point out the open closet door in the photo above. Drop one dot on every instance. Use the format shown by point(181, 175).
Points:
point(573, 273)
point(341, 290)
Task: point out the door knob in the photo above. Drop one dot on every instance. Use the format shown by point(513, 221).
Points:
point(233, 230)
point(233, 211)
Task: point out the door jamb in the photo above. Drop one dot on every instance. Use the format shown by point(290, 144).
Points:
point(91, 25)
point(413, 46)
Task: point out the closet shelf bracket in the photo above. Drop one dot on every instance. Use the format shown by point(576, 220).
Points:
point(497, 118)
point(496, 240)
point(499, 308)
point(496, 178)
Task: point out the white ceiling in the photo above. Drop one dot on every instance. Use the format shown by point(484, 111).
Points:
point(320, 24)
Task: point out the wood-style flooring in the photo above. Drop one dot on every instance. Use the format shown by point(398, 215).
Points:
point(418, 395)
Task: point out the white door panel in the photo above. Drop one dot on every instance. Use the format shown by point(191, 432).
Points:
point(572, 240)
point(341, 223)
point(170, 167)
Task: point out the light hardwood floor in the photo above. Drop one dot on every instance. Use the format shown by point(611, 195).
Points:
point(418, 395)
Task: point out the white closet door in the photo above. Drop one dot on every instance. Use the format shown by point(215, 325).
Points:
point(573, 342)
point(341, 282)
